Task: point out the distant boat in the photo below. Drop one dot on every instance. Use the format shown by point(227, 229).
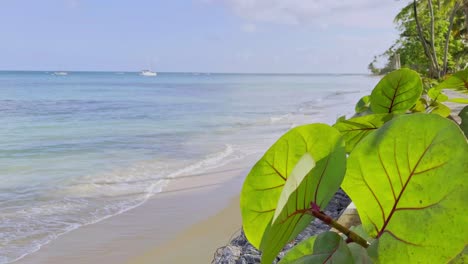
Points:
point(148, 73)
point(61, 73)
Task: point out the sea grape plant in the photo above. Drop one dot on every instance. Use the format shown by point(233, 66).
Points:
point(404, 169)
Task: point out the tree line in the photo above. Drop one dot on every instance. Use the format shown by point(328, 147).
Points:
point(433, 39)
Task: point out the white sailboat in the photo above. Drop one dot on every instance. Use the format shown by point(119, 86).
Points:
point(60, 73)
point(148, 73)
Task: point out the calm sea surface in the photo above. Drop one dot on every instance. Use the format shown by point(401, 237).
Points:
point(79, 148)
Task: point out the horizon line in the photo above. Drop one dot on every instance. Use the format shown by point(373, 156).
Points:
point(198, 72)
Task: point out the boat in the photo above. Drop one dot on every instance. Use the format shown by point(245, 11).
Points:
point(148, 73)
point(61, 73)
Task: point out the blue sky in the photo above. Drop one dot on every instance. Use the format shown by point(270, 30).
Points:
point(293, 36)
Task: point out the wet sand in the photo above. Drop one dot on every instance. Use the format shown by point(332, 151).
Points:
point(184, 224)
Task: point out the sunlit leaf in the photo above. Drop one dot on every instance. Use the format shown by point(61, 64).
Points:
point(355, 129)
point(408, 182)
point(437, 95)
point(461, 258)
point(328, 247)
point(264, 184)
point(439, 109)
point(464, 120)
point(397, 92)
point(458, 81)
point(341, 118)
point(298, 174)
point(458, 100)
point(363, 104)
point(420, 106)
point(318, 186)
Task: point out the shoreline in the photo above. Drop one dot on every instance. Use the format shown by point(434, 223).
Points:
point(187, 202)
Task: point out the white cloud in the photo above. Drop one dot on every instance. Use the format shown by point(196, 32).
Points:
point(366, 13)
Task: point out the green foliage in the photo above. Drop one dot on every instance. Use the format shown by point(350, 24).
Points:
point(397, 92)
point(437, 95)
point(328, 247)
point(439, 109)
point(355, 129)
point(363, 104)
point(464, 120)
point(409, 45)
point(264, 184)
point(394, 178)
point(406, 173)
point(458, 82)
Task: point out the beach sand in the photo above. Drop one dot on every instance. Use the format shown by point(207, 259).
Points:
point(198, 243)
point(186, 223)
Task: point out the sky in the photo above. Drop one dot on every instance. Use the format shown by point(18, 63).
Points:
point(251, 36)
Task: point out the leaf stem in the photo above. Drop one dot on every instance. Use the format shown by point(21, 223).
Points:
point(353, 237)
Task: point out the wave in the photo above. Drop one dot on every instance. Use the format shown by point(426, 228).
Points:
point(89, 200)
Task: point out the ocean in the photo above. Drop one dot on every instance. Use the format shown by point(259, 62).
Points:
point(80, 148)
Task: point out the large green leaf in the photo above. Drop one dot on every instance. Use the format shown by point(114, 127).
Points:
point(288, 200)
point(328, 247)
point(264, 184)
point(302, 187)
point(464, 120)
point(397, 92)
point(355, 129)
point(408, 182)
point(458, 81)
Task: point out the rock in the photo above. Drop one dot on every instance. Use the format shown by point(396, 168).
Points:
point(240, 251)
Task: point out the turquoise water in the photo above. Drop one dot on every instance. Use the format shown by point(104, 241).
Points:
point(79, 148)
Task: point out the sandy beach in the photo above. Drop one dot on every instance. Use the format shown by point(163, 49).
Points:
point(187, 222)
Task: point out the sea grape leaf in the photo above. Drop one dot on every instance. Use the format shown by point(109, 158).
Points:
point(359, 254)
point(458, 81)
point(420, 105)
point(298, 174)
point(397, 92)
point(341, 118)
point(437, 95)
point(264, 184)
point(363, 104)
point(328, 247)
point(318, 185)
point(461, 258)
point(440, 109)
point(355, 129)
point(301, 249)
point(408, 182)
point(359, 230)
point(464, 120)
point(458, 100)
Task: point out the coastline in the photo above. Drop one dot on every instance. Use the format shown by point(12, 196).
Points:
point(194, 210)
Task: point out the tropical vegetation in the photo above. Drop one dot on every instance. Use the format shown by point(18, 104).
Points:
point(402, 160)
point(433, 39)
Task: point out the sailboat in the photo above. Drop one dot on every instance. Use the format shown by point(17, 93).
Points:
point(148, 73)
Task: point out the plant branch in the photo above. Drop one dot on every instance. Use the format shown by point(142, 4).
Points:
point(449, 32)
point(434, 52)
point(423, 39)
point(353, 237)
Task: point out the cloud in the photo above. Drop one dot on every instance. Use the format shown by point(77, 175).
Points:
point(367, 13)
